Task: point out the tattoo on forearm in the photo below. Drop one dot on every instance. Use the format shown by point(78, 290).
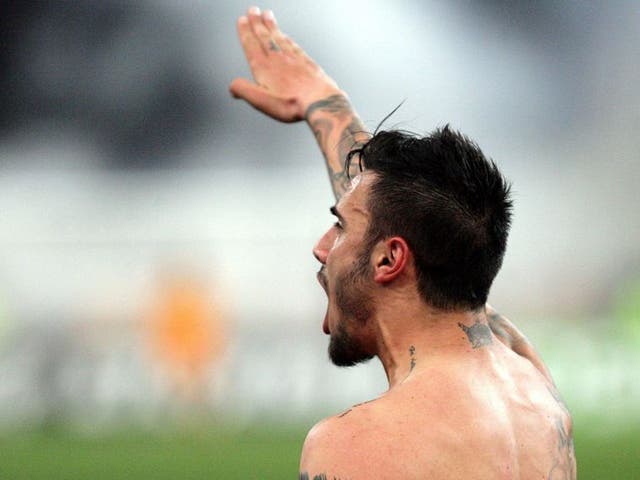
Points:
point(348, 141)
point(478, 334)
point(337, 134)
point(323, 129)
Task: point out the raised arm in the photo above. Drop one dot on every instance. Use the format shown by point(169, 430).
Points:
point(289, 86)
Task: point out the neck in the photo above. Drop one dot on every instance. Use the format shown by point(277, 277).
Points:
point(410, 339)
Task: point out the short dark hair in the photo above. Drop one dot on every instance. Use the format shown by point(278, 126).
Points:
point(450, 204)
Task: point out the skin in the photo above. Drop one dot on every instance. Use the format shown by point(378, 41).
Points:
point(468, 397)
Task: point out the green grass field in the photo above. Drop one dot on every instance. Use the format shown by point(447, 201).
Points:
point(224, 453)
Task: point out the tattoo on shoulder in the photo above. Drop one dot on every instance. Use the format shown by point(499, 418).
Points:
point(355, 406)
point(478, 334)
point(496, 324)
point(344, 413)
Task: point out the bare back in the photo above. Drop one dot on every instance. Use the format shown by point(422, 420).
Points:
point(489, 416)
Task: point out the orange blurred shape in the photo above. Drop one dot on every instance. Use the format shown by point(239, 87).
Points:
point(186, 331)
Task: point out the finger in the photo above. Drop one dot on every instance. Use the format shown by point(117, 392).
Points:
point(281, 40)
point(293, 47)
point(262, 100)
point(250, 44)
point(269, 20)
point(261, 31)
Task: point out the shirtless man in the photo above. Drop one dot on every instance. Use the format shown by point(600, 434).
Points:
point(407, 267)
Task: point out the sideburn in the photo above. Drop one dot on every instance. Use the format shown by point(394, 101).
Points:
point(352, 298)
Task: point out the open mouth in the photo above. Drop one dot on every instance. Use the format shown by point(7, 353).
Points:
point(322, 279)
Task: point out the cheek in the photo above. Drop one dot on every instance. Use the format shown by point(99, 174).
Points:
point(340, 247)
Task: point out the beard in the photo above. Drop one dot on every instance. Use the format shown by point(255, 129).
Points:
point(355, 306)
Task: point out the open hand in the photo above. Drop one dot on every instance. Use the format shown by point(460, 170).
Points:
point(286, 79)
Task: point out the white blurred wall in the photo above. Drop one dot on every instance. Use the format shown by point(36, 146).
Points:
point(555, 105)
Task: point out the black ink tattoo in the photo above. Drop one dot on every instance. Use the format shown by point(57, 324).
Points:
point(337, 136)
point(340, 181)
point(332, 104)
point(322, 129)
point(412, 352)
point(320, 476)
point(273, 46)
point(478, 334)
point(556, 396)
point(496, 325)
point(348, 143)
point(564, 464)
point(355, 406)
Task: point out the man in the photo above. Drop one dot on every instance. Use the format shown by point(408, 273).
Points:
point(419, 237)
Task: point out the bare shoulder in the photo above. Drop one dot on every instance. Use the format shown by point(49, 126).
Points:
point(342, 446)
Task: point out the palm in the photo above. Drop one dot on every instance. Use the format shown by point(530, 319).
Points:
point(287, 80)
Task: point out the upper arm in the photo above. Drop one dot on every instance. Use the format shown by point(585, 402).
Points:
point(316, 460)
point(332, 450)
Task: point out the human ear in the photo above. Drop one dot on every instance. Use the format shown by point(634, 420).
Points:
point(390, 259)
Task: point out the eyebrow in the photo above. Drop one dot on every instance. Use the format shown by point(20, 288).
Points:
point(334, 211)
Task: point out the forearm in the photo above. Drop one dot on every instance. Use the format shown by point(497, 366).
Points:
point(338, 130)
point(289, 86)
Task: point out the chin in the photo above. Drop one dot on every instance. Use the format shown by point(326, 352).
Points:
point(345, 350)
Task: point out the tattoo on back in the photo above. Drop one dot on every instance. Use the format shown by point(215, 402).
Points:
point(478, 334)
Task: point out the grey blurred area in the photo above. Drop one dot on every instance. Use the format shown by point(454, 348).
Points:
point(124, 162)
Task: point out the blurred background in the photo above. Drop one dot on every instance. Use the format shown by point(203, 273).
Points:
point(159, 313)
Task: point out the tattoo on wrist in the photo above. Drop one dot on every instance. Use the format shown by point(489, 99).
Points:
point(333, 104)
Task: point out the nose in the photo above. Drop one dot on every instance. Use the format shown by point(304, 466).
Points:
point(322, 248)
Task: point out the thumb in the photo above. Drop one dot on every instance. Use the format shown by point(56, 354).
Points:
point(263, 100)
